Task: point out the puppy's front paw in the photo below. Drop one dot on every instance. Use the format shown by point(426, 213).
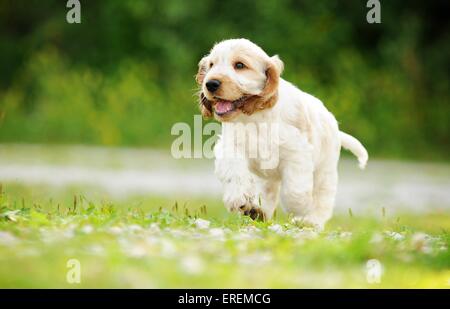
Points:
point(256, 213)
point(238, 201)
point(244, 203)
point(253, 211)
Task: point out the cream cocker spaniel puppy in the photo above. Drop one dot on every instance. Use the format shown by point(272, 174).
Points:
point(276, 141)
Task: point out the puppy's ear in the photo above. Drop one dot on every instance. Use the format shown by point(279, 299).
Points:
point(273, 71)
point(278, 63)
point(205, 106)
point(201, 70)
point(268, 97)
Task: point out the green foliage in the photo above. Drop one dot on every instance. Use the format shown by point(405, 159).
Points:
point(125, 74)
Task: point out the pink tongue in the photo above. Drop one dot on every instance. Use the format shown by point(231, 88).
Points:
point(223, 106)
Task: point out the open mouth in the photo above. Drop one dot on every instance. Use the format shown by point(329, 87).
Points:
point(224, 107)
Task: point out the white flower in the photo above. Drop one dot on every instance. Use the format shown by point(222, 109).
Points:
point(250, 230)
point(68, 233)
point(136, 251)
point(395, 235)
point(244, 236)
point(87, 229)
point(168, 249)
point(227, 230)
point(419, 238)
point(346, 235)
point(302, 233)
point(201, 223)
point(178, 233)
point(115, 230)
point(192, 264)
point(217, 233)
point(374, 271)
point(276, 228)
point(134, 228)
point(49, 235)
point(154, 228)
point(152, 240)
point(7, 239)
point(421, 242)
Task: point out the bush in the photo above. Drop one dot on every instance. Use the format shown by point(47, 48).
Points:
point(125, 74)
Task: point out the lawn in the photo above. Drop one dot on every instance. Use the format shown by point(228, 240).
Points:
point(158, 242)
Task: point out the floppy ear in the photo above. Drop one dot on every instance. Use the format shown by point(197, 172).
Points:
point(201, 70)
point(204, 103)
point(278, 63)
point(205, 106)
point(273, 71)
point(269, 95)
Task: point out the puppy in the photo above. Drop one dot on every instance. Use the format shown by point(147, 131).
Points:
point(241, 87)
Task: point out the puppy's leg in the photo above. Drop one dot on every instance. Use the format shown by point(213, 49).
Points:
point(297, 186)
point(269, 193)
point(325, 187)
point(238, 182)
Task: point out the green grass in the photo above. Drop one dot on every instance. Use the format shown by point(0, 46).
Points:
point(159, 243)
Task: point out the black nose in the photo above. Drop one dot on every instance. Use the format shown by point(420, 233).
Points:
point(212, 85)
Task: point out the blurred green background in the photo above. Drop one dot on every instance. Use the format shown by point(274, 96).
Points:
point(124, 75)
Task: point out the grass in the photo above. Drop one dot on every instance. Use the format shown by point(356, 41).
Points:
point(163, 243)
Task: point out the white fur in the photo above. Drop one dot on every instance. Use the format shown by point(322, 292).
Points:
point(308, 147)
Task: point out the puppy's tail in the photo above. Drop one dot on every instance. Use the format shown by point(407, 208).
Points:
point(354, 146)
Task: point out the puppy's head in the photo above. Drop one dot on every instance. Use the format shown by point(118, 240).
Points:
point(237, 77)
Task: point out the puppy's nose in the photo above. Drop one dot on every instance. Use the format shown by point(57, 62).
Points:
point(212, 85)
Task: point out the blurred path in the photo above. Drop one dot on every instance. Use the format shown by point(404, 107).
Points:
point(395, 185)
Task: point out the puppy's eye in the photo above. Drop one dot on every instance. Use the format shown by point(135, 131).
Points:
point(211, 65)
point(239, 65)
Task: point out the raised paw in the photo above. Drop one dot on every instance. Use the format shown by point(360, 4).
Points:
point(257, 214)
point(254, 212)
